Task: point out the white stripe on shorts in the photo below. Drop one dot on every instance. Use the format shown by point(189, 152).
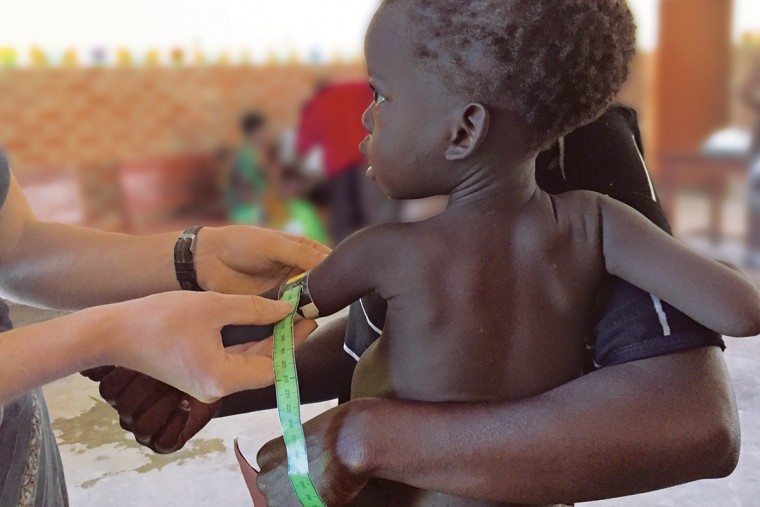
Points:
point(350, 352)
point(661, 315)
point(374, 327)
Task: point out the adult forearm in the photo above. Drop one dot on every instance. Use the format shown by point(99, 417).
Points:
point(70, 344)
point(318, 362)
point(67, 267)
point(625, 429)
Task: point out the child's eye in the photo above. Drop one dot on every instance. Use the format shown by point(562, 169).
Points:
point(377, 98)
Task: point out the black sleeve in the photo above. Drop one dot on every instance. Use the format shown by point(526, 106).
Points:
point(5, 178)
point(366, 319)
point(606, 156)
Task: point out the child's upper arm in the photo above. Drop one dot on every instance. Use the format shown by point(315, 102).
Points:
point(353, 269)
point(711, 293)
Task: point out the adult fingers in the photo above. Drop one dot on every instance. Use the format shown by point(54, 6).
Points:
point(114, 383)
point(244, 310)
point(301, 331)
point(271, 455)
point(139, 396)
point(99, 373)
point(168, 438)
point(149, 424)
point(304, 241)
point(326, 250)
point(253, 368)
point(294, 251)
point(241, 372)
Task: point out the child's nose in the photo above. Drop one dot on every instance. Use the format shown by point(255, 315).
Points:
point(367, 119)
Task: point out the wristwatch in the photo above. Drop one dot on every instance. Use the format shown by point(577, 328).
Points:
point(184, 264)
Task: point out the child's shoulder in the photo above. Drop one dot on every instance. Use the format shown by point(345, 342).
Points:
point(580, 211)
point(378, 241)
point(384, 232)
point(579, 203)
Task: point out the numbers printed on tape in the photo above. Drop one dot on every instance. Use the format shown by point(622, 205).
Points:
point(289, 405)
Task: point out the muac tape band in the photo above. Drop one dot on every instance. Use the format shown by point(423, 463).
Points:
point(289, 403)
point(306, 307)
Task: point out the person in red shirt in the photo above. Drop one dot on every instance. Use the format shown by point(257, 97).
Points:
point(332, 120)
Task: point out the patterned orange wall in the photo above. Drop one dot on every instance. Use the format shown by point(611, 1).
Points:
point(90, 117)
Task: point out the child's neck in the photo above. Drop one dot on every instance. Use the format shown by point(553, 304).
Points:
point(507, 187)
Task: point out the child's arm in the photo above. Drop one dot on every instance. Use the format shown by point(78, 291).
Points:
point(352, 270)
point(713, 294)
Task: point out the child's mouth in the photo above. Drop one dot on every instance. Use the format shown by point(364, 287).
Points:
point(371, 173)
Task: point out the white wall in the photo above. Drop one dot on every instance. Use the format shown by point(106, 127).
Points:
point(327, 26)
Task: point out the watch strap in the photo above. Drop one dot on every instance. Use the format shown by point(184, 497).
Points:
point(184, 262)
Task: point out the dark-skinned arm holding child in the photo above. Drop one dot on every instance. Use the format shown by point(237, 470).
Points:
point(648, 423)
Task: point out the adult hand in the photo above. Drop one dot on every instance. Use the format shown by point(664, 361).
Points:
point(160, 416)
point(249, 260)
point(175, 338)
point(337, 463)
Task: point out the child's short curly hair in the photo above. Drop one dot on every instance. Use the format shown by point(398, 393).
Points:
point(557, 64)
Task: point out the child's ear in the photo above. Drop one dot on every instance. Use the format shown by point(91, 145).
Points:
point(468, 132)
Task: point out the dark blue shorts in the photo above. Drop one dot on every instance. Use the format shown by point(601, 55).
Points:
point(634, 325)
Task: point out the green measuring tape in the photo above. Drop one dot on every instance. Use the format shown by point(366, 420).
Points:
point(289, 405)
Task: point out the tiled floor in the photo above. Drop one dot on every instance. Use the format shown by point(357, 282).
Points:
point(105, 467)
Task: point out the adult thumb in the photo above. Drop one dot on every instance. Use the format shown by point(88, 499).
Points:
point(245, 310)
point(251, 368)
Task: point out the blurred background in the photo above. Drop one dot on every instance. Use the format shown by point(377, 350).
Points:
point(146, 116)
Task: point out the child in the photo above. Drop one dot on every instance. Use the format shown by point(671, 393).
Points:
point(248, 179)
point(491, 299)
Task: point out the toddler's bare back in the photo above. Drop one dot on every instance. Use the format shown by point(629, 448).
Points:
point(484, 306)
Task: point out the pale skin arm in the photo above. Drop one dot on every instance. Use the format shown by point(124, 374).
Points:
point(179, 344)
point(338, 281)
point(174, 337)
point(165, 428)
point(60, 266)
point(66, 267)
point(715, 295)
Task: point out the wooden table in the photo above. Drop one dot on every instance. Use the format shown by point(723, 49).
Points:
point(710, 173)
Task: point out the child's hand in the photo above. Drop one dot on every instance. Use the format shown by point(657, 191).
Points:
point(175, 337)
